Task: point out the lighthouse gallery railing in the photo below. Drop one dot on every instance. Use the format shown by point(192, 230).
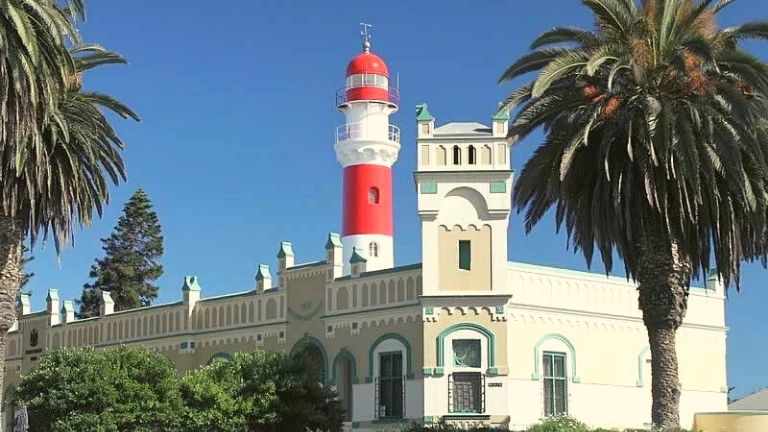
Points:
point(357, 131)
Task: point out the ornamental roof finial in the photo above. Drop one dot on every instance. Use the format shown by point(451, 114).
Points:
point(365, 33)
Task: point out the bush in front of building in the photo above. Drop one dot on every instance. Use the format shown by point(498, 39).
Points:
point(82, 389)
point(559, 423)
point(259, 392)
point(134, 389)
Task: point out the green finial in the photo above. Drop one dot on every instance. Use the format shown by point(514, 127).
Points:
point(356, 257)
point(422, 113)
point(263, 272)
point(191, 284)
point(502, 114)
point(334, 240)
point(285, 250)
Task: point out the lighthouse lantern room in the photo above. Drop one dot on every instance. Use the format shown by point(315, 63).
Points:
point(367, 146)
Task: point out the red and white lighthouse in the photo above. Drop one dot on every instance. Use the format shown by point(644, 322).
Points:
point(367, 146)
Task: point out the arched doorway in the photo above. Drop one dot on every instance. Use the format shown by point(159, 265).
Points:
point(344, 375)
point(313, 352)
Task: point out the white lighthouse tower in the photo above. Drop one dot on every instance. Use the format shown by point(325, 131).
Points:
point(367, 146)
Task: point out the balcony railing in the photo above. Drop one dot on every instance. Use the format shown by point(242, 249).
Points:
point(389, 397)
point(358, 131)
point(393, 95)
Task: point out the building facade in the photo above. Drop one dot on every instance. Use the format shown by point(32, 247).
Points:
point(464, 337)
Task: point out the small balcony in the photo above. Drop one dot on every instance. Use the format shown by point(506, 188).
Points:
point(359, 131)
point(389, 95)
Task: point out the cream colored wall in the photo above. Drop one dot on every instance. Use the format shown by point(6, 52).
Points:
point(747, 421)
point(448, 316)
point(451, 277)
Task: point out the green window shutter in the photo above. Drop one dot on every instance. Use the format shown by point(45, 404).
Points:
point(465, 255)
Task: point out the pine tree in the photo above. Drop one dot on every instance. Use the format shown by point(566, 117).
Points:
point(130, 264)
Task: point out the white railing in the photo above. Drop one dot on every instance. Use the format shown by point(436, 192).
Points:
point(393, 95)
point(358, 131)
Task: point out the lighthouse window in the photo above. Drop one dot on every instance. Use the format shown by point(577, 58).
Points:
point(472, 155)
point(456, 155)
point(373, 249)
point(373, 195)
point(465, 255)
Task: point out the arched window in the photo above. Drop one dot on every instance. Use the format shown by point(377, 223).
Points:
point(472, 155)
point(456, 155)
point(373, 195)
point(373, 249)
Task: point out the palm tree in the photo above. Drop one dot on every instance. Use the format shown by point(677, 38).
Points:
point(656, 148)
point(34, 63)
point(61, 173)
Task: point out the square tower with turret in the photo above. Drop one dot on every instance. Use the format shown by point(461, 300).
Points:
point(464, 184)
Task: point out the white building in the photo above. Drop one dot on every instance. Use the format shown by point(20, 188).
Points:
point(465, 337)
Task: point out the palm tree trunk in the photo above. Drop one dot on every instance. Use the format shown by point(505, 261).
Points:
point(10, 278)
point(663, 297)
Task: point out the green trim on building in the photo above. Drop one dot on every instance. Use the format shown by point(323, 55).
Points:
point(498, 187)
point(263, 272)
point(490, 339)
point(378, 342)
point(356, 257)
point(537, 356)
point(502, 114)
point(422, 113)
point(191, 283)
point(334, 240)
point(311, 341)
point(407, 267)
point(285, 249)
point(344, 354)
point(428, 188)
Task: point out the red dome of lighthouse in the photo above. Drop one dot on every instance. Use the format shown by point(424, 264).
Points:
point(367, 62)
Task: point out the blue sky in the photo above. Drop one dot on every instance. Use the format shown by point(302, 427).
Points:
point(235, 144)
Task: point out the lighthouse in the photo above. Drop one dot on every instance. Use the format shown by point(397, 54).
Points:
point(367, 146)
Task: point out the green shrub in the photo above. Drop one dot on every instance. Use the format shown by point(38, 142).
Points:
point(444, 428)
point(559, 424)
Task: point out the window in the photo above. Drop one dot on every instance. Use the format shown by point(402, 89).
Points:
point(456, 155)
point(390, 393)
point(472, 155)
point(373, 249)
point(373, 195)
point(465, 255)
point(555, 384)
point(466, 353)
point(466, 392)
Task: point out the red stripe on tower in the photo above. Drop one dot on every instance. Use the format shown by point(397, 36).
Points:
point(367, 146)
point(367, 200)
